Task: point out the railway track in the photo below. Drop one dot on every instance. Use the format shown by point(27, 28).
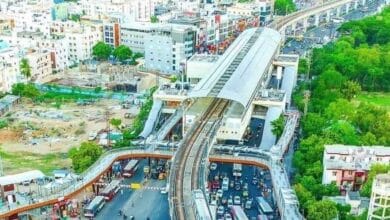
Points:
point(189, 160)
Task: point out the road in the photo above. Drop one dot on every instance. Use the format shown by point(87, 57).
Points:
point(157, 203)
point(318, 35)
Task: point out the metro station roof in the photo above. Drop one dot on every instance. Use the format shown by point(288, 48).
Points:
point(237, 74)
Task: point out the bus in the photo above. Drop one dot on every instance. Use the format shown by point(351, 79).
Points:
point(237, 168)
point(94, 207)
point(337, 20)
point(238, 213)
point(110, 190)
point(130, 168)
point(263, 206)
point(201, 208)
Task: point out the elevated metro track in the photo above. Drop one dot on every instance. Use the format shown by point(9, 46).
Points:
point(281, 23)
point(184, 176)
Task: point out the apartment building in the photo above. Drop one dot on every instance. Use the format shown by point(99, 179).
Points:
point(168, 47)
point(81, 41)
point(9, 66)
point(40, 63)
point(380, 198)
point(348, 166)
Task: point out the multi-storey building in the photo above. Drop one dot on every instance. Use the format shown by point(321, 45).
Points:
point(167, 48)
point(9, 66)
point(380, 198)
point(81, 41)
point(40, 63)
point(348, 166)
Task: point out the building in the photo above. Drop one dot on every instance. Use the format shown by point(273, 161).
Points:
point(168, 47)
point(348, 166)
point(40, 63)
point(81, 41)
point(380, 198)
point(9, 66)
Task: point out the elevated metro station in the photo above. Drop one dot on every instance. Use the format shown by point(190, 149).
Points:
point(251, 74)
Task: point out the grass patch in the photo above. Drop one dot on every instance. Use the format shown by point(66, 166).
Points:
point(377, 98)
point(15, 162)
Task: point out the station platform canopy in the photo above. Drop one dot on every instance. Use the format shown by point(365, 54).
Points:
point(21, 177)
point(239, 72)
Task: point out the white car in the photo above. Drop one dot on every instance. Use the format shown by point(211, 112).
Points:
point(213, 166)
point(219, 193)
point(220, 210)
point(230, 202)
point(237, 200)
point(228, 216)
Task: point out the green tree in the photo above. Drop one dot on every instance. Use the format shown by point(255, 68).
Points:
point(324, 210)
point(26, 90)
point(101, 50)
point(303, 66)
point(278, 126)
point(116, 122)
point(84, 156)
point(25, 68)
point(283, 7)
point(154, 19)
point(374, 170)
point(351, 89)
point(122, 53)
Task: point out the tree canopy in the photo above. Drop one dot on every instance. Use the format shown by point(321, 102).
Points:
point(283, 7)
point(358, 61)
point(122, 53)
point(25, 68)
point(278, 126)
point(101, 50)
point(84, 155)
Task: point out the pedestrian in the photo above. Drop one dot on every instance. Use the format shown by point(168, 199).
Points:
point(121, 191)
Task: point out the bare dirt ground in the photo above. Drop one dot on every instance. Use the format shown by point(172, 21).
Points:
point(41, 129)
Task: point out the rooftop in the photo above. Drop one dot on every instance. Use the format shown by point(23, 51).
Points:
point(354, 150)
point(204, 58)
point(237, 75)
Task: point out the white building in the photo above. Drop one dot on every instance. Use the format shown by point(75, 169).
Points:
point(81, 41)
point(168, 47)
point(9, 67)
point(380, 198)
point(348, 166)
point(40, 63)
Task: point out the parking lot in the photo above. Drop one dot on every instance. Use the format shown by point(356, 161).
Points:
point(253, 182)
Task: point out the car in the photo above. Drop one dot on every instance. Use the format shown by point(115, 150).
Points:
point(224, 200)
point(213, 166)
point(220, 210)
point(230, 202)
point(219, 193)
point(237, 200)
point(228, 216)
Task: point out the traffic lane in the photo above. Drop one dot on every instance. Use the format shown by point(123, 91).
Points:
point(117, 203)
point(149, 202)
point(248, 172)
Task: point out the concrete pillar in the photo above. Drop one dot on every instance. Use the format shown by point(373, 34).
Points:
point(338, 12)
point(293, 28)
point(355, 4)
point(305, 24)
point(328, 16)
point(347, 8)
point(363, 2)
point(316, 20)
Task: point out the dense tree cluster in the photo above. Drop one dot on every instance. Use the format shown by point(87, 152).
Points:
point(84, 156)
point(362, 54)
point(359, 60)
point(102, 51)
point(283, 7)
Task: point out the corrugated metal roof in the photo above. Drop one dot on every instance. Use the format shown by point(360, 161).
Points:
point(237, 73)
